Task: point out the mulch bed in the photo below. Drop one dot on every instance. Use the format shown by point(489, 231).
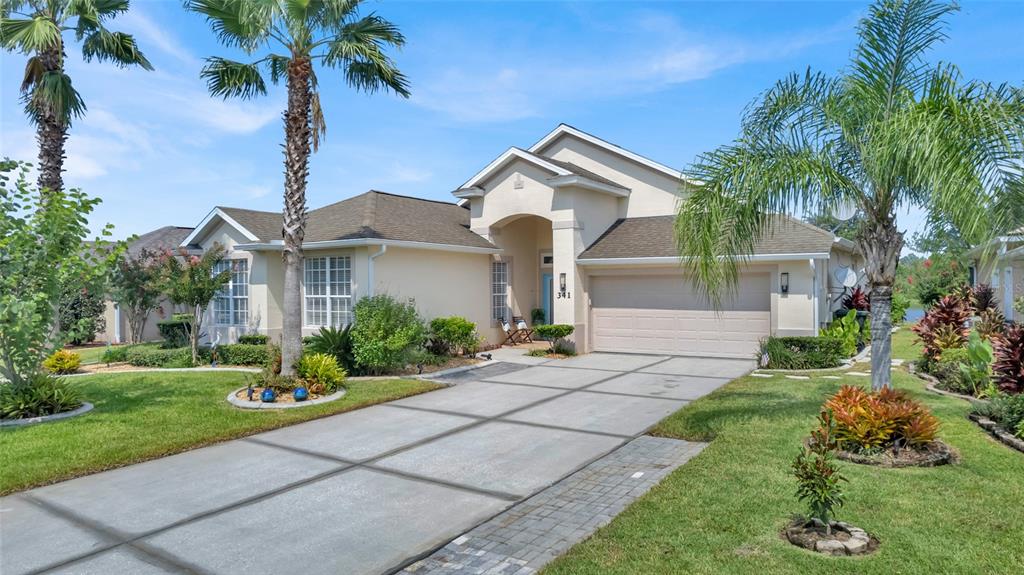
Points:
point(932, 455)
point(996, 431)
point(840, 539)
point(451, 363)
point(281, 397)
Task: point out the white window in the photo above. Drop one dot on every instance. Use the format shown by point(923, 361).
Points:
point(231, 304)
point(499, 291)
point(328, 286)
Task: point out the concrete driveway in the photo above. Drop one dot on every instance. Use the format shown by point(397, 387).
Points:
point(362, 492)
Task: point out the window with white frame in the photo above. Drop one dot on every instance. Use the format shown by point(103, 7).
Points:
point(499, 291)
point(231, 304)
point(328, 291)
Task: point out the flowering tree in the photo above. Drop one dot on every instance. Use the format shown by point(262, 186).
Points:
point(190, 281)
point(38, 248)
point(137, 288)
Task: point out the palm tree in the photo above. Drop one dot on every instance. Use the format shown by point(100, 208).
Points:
point(890, 132)
point(36, 28)
point(329, 33)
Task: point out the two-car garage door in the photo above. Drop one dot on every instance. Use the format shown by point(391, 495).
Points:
point(663, 314)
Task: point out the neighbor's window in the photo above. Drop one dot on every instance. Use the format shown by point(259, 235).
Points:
point(231, 304)
point(499, 290)
point(328, 288)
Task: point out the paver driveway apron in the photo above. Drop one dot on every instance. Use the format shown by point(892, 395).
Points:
point(363, 492)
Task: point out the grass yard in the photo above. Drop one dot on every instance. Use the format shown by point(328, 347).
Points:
point(722, 512)
point(140, 416)
point(89, 354)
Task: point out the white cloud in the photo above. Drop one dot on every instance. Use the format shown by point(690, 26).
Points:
point(147, 33)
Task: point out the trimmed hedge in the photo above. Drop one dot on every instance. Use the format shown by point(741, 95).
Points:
point(253, 339)
point(231, 354)
point(803, 352)
point(174, 331)
point(240, 354)
point(149, 356)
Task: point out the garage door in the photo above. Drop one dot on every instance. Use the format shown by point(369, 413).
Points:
point(663, 314)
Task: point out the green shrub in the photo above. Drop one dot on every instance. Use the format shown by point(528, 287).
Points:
point(62, 362)
point(42, 394)
point(553, 331)
point(384, 333)
point(847, 330)
point(948, 370)
point(335, 342)
point(538, 316)
point(452, 335)
point(174, 331)
point(900, 305)
point(321, 372)
point(242, 354)
point(279, 383)
point(817, 475)
point(1006, 409)
point(253, 339)
point(115, 354)
point(806, 352)
point(148, 356)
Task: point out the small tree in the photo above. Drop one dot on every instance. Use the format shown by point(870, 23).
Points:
point(190, 282)
point(39, 247)
point(554, 333)
point(384, 333)
point(81, 309)
point(136, 287)
point(817, 475)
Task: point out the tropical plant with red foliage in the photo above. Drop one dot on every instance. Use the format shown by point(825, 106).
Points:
point(950, 311)
point(983, 298)
point(991, 324)
point(1008, 368)
point(858, 300)
point(872, 422)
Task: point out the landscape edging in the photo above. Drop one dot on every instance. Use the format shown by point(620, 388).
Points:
point(995, 430)
point(243, 404)
point(86, 407)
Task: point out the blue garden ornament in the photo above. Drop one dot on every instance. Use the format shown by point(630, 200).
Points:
point(300, 394)
point(268, 396)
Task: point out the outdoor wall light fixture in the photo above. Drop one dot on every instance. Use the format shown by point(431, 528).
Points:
point(784, 282)
point(561, 283)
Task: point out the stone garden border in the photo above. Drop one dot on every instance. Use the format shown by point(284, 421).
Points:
point(996, 431)
point(931, 384)
point(807, 535)
point(86, 407)
point(244, 404)
point(942, 454)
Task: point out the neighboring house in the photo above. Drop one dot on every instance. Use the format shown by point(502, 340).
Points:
point(158, 240)
point(1001, 265)
point(573, 225)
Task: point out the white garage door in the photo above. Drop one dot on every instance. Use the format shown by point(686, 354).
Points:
point(663, 314)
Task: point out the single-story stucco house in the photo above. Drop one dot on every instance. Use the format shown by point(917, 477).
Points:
point(1001, 265)
point(573, 225)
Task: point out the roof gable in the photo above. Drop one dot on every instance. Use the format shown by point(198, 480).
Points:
point(231, 216)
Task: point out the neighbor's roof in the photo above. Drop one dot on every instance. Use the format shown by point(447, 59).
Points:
point(373, 215)
point(160, 239)
point(654, 237)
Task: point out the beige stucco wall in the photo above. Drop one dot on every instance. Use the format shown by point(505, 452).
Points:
point(149, 333)
point(794, 311)
point(653, 193)
point(441, 283)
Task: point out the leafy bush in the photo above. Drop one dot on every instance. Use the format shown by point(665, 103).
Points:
point(115, 354)
point(175, 331)
point(384, 333)
point(555, 333)
point(336, 342)
point(279, 383)
point(321, 372)
point(81, 309)
point(39, 395)
point(938, 275)
point(62, 362)
point(817, 475)
point(983, 298)
point(801, 352)
point(537, 316)
point(991, 324)
point(451, 335)
point(1008, 369)
point(1019, 304)
point(872, 422)
point(1005, 409)
point(253, 339)
point(943, 326)
point(242, 354)
point(149, 356)
point(947, 370)
point(847, 331)
point(900, 305)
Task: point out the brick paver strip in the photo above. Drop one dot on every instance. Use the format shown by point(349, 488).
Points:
point(524, 538)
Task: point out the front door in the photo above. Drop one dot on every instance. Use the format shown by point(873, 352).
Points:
point(546, 288)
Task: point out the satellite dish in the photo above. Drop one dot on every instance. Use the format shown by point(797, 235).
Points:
point(846, 277)
point(844, 210)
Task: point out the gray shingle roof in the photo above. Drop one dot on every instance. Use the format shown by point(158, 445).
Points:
point(654, 236)
point(373, 215)
point(160, 239)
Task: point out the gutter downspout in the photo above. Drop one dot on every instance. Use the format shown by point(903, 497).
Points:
point(369, 268)
point(117, 323)
point(815, 301)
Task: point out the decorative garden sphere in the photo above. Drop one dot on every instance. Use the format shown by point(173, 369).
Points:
point(268, 396)
point(300, 394)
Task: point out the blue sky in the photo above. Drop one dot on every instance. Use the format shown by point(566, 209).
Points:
point(667, 80)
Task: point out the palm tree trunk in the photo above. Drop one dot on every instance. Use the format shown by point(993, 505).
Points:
point(297, 133)
point(881, 244)
point(51, 131)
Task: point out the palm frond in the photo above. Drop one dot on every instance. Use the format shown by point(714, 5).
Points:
point(244, 24)
point(277, 66)
point(116, 47)
point(92, 13)
point(34, 71)
point(227, 78)
point(359, 49)
point(29, 34)
point(52, 92)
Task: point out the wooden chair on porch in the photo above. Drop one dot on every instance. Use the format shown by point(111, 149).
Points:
point(525, 331)
point(512, 334)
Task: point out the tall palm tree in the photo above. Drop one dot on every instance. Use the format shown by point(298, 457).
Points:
point(328, 33)
point(890, 132)
point(36, 28)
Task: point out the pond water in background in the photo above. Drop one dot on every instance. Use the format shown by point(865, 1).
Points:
point(914, 314)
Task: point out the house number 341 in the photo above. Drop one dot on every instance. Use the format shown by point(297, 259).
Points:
point(564, 295)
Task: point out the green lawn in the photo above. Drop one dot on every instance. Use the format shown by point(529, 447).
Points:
point(140, 416)
point(722, 512)
point(91, 354)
